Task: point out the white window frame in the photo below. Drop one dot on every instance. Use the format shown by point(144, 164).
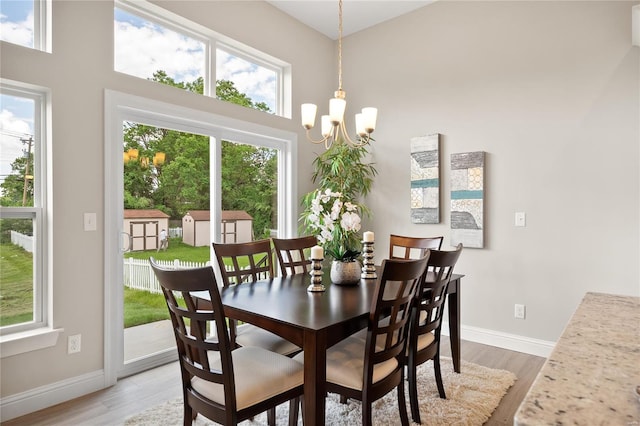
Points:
point(120, 107)
point(213, 41)
point(41, 26)
point(36, 334)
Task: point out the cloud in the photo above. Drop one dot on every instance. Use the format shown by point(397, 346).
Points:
point(17, 32)
point(142, 48)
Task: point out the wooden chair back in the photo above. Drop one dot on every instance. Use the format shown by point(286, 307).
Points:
point(207, 362)
point(293, 254)
point(386, 339)
point(244, 262)
point(427, 320)
point(190, 330)
point(402, 247)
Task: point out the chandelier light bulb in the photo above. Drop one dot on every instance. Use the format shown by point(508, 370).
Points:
point(369, 115)
point(326, 125)
point(308, 115)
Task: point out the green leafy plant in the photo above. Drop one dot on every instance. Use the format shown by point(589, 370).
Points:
point(341, 170)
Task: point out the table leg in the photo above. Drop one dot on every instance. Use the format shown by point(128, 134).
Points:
point(454, 323)
point(315, 375)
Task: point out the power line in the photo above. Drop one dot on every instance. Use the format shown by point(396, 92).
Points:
point(15, 134)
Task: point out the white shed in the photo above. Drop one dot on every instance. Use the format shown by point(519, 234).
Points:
point(143, 228)
point(236, 227)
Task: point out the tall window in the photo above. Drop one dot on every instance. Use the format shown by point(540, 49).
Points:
point(22, 207)
point(26, 23)
point(154, 44)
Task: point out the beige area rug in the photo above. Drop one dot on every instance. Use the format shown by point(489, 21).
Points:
point(471, 398)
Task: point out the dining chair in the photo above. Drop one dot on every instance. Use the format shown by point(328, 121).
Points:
point(368, 369)
point(242, 263)
point(293, 254)
point(402, 247)
point(424, 337)
point(224, 384)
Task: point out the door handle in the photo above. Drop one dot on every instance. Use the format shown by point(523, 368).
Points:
point(125, 245)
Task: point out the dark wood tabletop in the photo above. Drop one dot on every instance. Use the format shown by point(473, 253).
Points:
point(315, 321)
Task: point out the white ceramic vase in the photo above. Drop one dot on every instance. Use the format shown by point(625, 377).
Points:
point(345, 273)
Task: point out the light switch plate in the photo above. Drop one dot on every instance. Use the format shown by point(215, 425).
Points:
point(521, 219)
point(90, 220)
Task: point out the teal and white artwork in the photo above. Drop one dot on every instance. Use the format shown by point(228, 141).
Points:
point(467, 199)
point(425, 179)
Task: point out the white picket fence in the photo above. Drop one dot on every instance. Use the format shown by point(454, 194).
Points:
point(22, 240)
point(139, 275)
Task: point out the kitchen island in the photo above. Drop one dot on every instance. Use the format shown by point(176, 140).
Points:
point(592, 374)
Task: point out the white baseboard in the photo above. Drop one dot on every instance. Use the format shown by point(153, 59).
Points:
point(46, 396)
point(512, 342)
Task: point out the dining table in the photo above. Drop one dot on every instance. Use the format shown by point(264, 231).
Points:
point(315, 321)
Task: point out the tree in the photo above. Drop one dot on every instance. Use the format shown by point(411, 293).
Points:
point(13, 186)
point(249, 173)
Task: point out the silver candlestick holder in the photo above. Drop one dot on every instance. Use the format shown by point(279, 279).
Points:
point(316, 276)
point(368, 268)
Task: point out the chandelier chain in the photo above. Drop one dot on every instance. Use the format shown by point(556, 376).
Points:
point(340, 45)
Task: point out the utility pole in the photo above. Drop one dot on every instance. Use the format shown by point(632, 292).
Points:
point(29, 143)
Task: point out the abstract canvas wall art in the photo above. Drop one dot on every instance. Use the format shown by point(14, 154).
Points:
point(467, 199)
point(425, 179)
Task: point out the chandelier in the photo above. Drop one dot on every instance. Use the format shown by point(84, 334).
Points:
point(332, 125)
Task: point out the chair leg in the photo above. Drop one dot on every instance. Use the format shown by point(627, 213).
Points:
point(436, 364)
point(413, 392)
point(294, 404)
point(402, 405)
point(271, 416)
point(366, 413)
point(343, 399)
point(188, 415)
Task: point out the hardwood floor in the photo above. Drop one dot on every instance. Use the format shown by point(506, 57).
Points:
point(136, 393)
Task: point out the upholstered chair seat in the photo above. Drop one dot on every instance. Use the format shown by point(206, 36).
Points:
point(259, 375)
point(250, 335)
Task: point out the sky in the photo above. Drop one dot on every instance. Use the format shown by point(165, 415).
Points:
point(141, 49)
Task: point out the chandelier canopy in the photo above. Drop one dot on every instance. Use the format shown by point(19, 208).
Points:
point(332, 125)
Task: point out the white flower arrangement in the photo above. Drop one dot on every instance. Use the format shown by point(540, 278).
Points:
point(337, 222)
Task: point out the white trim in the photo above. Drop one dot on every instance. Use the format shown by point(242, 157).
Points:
point(46, 396)
point(512, 342)
point(121, 107)
point(27, 341)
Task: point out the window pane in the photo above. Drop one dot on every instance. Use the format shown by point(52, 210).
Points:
point(258, 83)
point(16, 271)
point(147, 50)
point(249, 187)
point(16, 22)
point(16, 151)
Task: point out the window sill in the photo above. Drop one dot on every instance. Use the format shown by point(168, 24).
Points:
point(27, 341)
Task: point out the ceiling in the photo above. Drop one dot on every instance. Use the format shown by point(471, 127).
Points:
point(322, 15)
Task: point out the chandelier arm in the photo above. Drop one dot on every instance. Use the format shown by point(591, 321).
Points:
point(346, 137)
point(319, 141)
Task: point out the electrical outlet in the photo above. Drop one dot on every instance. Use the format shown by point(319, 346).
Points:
point(519, 311)
point(74, 344)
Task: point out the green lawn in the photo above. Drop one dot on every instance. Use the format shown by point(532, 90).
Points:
point(16, 285)
point(140, 307)
point(177, 250)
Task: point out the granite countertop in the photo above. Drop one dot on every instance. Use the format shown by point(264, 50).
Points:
point(591, 376)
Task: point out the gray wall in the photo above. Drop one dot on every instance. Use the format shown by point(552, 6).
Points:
point(548, 89)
